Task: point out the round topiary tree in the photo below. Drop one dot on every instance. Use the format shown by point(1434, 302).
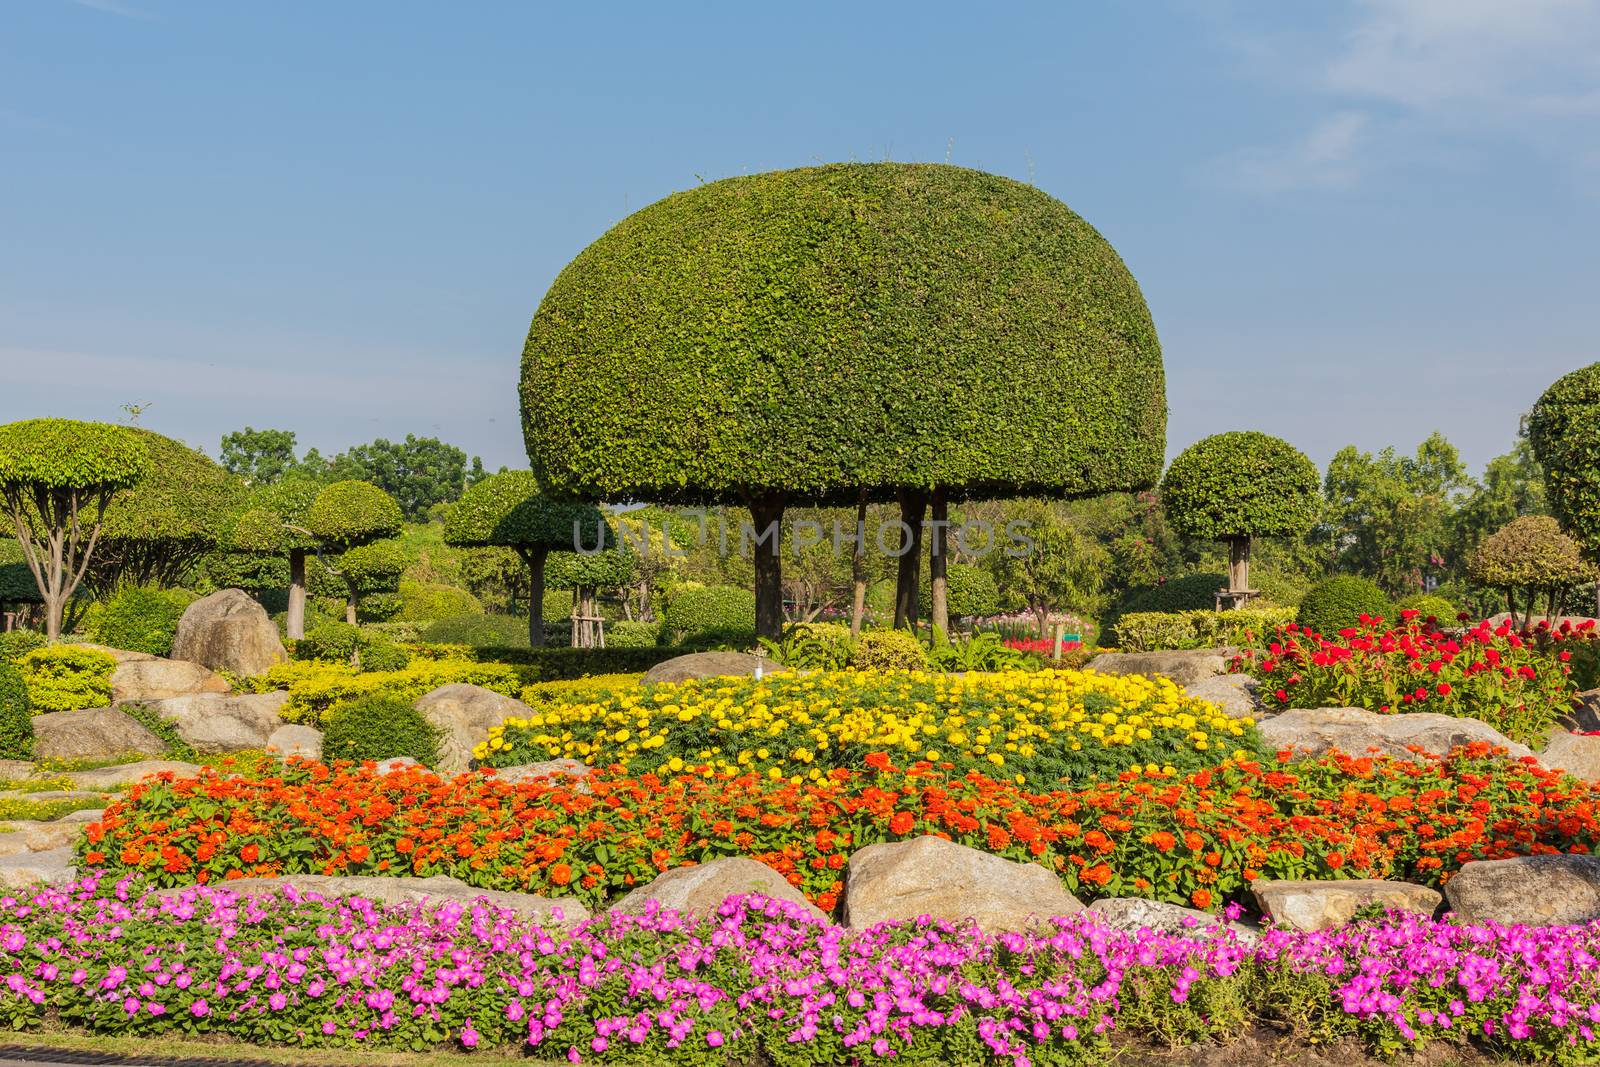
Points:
point(348, 517)
point(1237, 486)
point(156, 531)
point(585, 574)
point(274, 524)
point(507, 510)
point(1338, 603)
point(1564, 430)
point(1532, 555)
point(802, 336)
point(57, 478)
point(371, 568)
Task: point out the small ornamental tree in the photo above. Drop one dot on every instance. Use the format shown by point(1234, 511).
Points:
point(1237, 486)
point(371, 568)
point(1530, 554)
point(57, 477)
point(274, 524)
point(506, 510)
point(1564, 430)
point(349, 515)
point(586, 573)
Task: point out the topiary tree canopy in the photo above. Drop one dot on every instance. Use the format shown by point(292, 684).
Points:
point(507, 510)
point(373, 567)
point(587, 572)
point(1531, 554)
point(1564, 429)
point(57, 477)
point(909, 330)
point(1237, 486)
point(274, 524)
point(157, 530)
point(351, 513)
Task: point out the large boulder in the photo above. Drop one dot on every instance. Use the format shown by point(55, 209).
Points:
point(1527, 890)
point(1132, 914)
point(1319, 905)
point(140, 681)
point(463, 715)
point(934, 877)
point(92, 735)
point(51, 867)
point(114, 777)
point(223, 722)
point(293, 739)
point(698, 665)
point(1576, 754)
point(1584, 718)
point(547, 912)
point(553, 769)
point(229, 631)
point(1233, 694)
point(30, 836)
point(700, 889)
point(1186, 667)
point(1353, 731)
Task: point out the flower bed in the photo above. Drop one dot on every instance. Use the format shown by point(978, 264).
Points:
point(1485, 672)
point(1197, 839)
point(1036, 727)
point(760, 981)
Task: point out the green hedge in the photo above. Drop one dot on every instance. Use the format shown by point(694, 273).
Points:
point(427, 601)
point(1161, 631)
point(141, 618)
point(818, 330)
point(702, 609)
point(479, 631)
point(560, 664)
point(1338, 603)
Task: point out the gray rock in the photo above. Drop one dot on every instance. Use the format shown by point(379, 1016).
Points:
point(229, 631)
point(699, 890)
point(296, 740)
point(707, 665)
point(141, 681)
point(1186, 667)
point(1527, 890)
point(554, 768)
point(82, 815)
point(66, 794)
point(52, 867)
point(30, 836)
point(215, 723)
point(1354, 731)
point(15, 770)
point(931, 876)
point(463, 715)
point(1132, 914)
point(1233, 694)
point(115, 777)
point(384, 890)
point(1576, 754)
point(396, 764)
point(92, 734)
point(1584, 718)
point(121, 655)
point(1319, 905)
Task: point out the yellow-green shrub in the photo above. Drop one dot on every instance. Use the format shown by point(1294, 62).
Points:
point(1162, 631)
point(67, 677)
point(549, 694)
point(315, 687)
point(888, 650)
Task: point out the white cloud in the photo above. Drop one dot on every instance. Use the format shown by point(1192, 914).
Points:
point(115, 7)
point(1324, 158)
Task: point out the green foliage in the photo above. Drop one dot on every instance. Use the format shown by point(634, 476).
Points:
point(14, 644)
point(17, 584)
point(508, 510)
point(1530, 552)
point(1191, 592)
point(1241, 484)
point(67, 677)
point(822, 329)
point(479, 631)
point(971, 592)
point(418, 472)
point(16, 714)
point(378, 727)
point(813, 646)
point(426, 601)
point(1564, 429)
point(254, 573)
point(888, 650)
point(979, 652)
point(261, 457)
point(557, 664)
point(68, 454)
point(339, 642)
point(1338, 604)
point(594, 570)
point(352, 513)
point(699, 609)
point(141, 618)
point(1428, 605)
point(276, 517)
point(165, 729)
point(1057, 567)
point(374, 567)
point(1159, 631)
point(631, 633)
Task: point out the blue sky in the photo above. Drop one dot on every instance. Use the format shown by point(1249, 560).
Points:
point(1355, 221)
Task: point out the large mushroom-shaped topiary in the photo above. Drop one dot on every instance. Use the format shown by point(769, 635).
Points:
point(57, 477)
point(507, 510)
point(1237, 486)
point(347, 516)
point(1564, 430)
point(274, 524)
point(1530, 554)
point(908, 330)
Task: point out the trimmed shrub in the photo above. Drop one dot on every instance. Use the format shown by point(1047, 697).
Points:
point(353, 513)
point(427, 601)
point(1191, 592)
point(631, 633)
point(694, 610)
point(317, 687)
point(1158, 631)
point(888, 650)
point(1531, 555)
point(67, 677)
point(141, 618)
point(1338, 603)
point(723, 639)
point(379, 727)
point(16, 714)
point(1241, 484)
point(1428, 605)
point(339, 642)
point(479, 631)
point(14, 644)
point(555, 664)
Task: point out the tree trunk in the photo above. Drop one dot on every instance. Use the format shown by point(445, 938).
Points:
point(913, 505)
point(767, 513)
point(534, 558)
point(940, 515)
point(350, 608)
point(1238, 568)
point(858, 567)
point(295, 621)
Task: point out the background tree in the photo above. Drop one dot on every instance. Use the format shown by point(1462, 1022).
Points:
point(507, 510)
point(1234, 487)
point(1058, 568)
point(260, 457)
point(418, 472)
point(807, 334)
point(57, 477)
point(155, 532)
point(1531, 555)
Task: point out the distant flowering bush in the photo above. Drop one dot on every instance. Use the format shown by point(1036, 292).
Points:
point(1485, 672)
point(760, 981)
point(1197, 839)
